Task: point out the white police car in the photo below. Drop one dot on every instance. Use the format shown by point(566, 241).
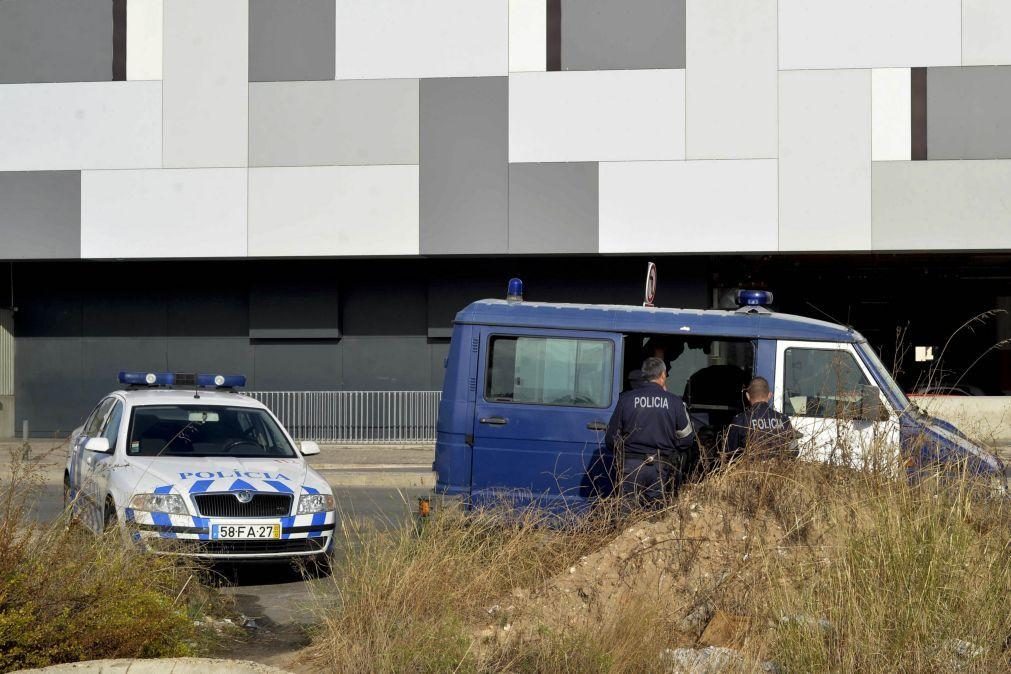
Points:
point(200, 471)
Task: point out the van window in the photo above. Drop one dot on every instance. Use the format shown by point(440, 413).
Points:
point(550, 371)
point(822, 383)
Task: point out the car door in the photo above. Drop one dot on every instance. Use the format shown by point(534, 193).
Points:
point(543, 403)
point(98, 465)
point(821, 386)
point(89, 429)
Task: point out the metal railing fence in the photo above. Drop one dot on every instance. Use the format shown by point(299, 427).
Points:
point(355, 417)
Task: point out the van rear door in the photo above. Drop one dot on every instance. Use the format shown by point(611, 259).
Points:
point(544, 400)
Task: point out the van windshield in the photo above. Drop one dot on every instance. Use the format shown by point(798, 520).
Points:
point(881, 374)
point(206, 430)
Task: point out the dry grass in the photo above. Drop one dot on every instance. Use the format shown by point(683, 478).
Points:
point(830, 569)
point(66, 595)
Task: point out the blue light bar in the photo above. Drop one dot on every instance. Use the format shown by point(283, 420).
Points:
point(147, 378)
point(221, 380)
point(754, 298)
point(515, 291)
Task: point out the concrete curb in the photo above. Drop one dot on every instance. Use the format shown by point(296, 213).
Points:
point(160, 666)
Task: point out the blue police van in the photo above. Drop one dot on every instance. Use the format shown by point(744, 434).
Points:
point(530, 387)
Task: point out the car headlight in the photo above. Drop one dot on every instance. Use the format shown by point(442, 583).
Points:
point(315, 503)
point(159, 503)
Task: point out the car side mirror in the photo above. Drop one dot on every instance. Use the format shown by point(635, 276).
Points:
point(308, 447)
point(871, 408)
point(99, 445)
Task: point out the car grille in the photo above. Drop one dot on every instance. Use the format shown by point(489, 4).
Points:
point(226, 505)
point(290, 546)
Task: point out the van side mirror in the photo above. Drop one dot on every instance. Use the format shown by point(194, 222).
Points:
point(871, 408)
point(99, 445)
point(308, 447)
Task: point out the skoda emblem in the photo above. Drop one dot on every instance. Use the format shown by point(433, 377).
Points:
point(244, 496)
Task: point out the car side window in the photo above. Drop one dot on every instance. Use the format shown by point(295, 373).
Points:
point(111, 430)
point(550, 371)
point(822, 383)
point(93, 427)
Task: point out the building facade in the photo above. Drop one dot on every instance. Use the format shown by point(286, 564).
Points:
point(307, 190)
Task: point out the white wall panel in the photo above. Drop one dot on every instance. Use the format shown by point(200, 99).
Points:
point(333, 210)
point(143, 39)
point(611, 115)
point(891, 121)
point(986, 32)
point(79, 125)
point(206, 77)
point(688, 206)
point(942, 205)
point(869, 33)
point(528, 29)
point(163, 213)
point(730, 79)
point(421, 38)
point(825, 160)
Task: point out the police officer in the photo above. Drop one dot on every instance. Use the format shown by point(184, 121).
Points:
point(651, 432)
point(760, 429)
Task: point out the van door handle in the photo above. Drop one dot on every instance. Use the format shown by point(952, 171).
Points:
point(597, 426)
point(494, 421)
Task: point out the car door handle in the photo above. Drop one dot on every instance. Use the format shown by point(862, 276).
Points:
point(597, 426)
point(494, 421)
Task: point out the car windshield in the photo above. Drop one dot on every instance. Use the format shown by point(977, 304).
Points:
point(203, 430)
point(881, 374)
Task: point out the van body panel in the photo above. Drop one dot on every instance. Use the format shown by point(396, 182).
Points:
point(549, 455)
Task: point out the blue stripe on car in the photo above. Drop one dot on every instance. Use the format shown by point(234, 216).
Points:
point(309, 490)
point(202, 523)
point(163, 520)
point(239, 485)
point(164, 489)
point(286, 524)
point(317, 518)
point(201, 486)
point(280, 486)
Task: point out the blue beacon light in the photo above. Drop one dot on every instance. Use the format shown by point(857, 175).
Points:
point(515, 291)
point(221, 380)
point(754, 298)
point(147, 378)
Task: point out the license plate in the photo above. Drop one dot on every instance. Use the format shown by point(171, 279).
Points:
point(245, 531)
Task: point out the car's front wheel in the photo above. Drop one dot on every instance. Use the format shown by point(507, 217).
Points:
point(110, 519)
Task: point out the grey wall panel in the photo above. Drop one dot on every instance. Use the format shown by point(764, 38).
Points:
point(122, 311)
point(464, 171)
point(333, 123)
point(553, 208)
point(41, 214)
point(102, 359)
point(451, 292)
point(296, 366)
point(608, 35)
point(210, 355)
point(48, 385)
point(208, 310)
point(55, 41)
point(390, 306)
point(954, 205)
point(393, 363)
point(968, 113)
point(440, 351)
point(285, 309)
point(291, 40)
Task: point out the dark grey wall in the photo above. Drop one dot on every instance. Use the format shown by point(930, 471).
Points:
point(291, 40)
point(55, 41)
point(40, 215)
point(79, 323)
point(969, 112)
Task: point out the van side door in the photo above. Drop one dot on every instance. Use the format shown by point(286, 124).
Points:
point(820, 386)
point(543, 402)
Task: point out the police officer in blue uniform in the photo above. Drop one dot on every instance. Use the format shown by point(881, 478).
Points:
point(760, 430)
point(651, 432)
